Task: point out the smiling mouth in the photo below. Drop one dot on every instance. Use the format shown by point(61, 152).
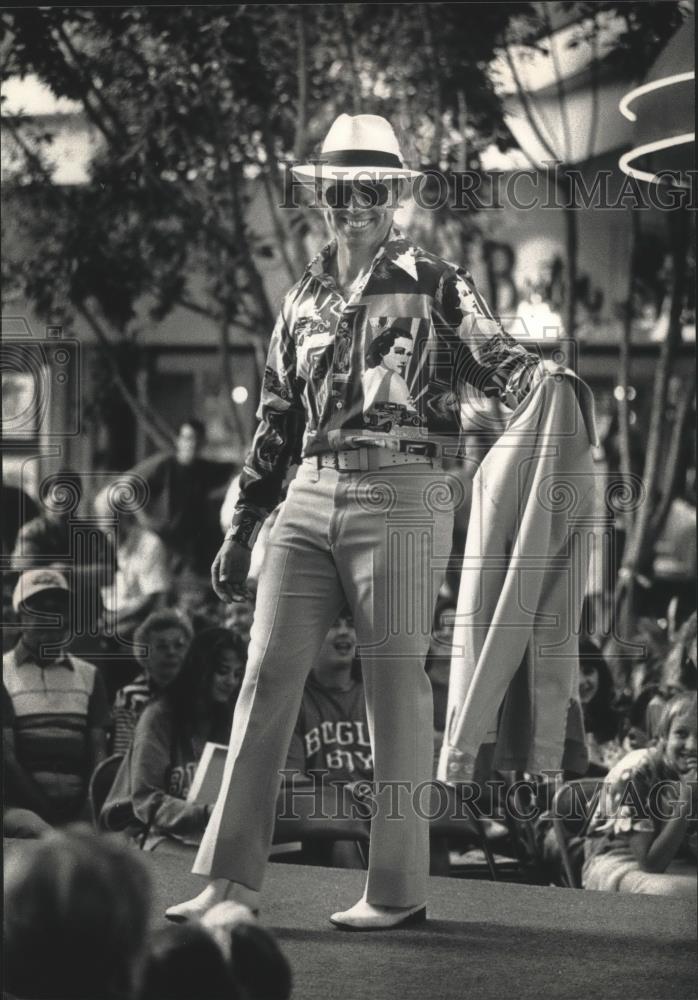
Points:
point(357, 224)
point(343, 647)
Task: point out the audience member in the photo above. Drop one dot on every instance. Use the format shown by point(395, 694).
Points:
point(76, 917)
point(259, 967)
point(17, 508)
point(602, 722)
point(642, 836)
point(54, 733)
point(157, 771)
point(164, 638)
point(18, 821)
point(331, 743)
point(228, 956)
point(10, 627)
point(185, 962)
point(679, 673)
point(331, 740)
point(640, 721)
point(180, 485)
point(438, 662)
point(238, 617)
point(142, 581)
point(50, 537)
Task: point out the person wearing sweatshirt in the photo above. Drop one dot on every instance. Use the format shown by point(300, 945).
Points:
point(150, 789)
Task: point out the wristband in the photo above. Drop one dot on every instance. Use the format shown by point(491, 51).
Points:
point(244, 529)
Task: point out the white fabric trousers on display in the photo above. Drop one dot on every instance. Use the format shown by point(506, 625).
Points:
point(379, 540)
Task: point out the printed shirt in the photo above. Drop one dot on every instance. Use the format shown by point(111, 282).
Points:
point(631, 802)
point(331, 737)
point(394, 363)
point(53, 707)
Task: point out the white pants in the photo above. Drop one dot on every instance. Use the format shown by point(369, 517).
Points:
point(379, 541)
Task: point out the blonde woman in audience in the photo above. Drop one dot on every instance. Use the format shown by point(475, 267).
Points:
point(642, 836)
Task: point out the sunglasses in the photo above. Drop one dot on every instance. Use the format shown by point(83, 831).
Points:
point(368, 194)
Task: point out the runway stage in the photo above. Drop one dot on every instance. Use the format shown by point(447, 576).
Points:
point(484, 941)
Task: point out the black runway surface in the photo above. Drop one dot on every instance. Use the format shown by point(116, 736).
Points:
point(483, 941)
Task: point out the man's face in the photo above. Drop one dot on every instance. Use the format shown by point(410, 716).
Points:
point(398, 357)
point(36, 632)
point(188, 444)
point(681, 748)
point(166, 651)
point(362, 223)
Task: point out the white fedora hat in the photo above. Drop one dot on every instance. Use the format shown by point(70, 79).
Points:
point(357, 146)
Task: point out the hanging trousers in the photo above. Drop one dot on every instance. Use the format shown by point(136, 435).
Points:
point(378, 541)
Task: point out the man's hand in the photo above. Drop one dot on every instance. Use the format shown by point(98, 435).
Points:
point(230, 571)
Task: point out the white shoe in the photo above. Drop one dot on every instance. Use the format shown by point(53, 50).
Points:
point(215, 892)
point(369, 917)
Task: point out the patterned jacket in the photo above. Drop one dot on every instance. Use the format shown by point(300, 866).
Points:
point(413, 317)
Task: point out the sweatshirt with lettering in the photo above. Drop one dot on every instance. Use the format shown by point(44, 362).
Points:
point(331, 734)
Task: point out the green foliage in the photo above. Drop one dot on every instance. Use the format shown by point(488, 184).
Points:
point(192, 104)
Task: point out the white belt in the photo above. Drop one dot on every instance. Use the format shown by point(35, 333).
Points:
point(367, 459)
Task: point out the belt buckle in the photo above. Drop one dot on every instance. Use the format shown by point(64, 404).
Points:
point(415, 449)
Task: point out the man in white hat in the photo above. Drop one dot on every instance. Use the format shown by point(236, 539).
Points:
point(367, 521)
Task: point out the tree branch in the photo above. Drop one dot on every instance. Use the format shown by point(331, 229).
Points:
point(154, 426)
point(300, 140)
point(559, 87)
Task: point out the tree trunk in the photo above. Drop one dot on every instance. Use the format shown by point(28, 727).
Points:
point(641, 540)
point(571, 252)
point(670, 476)
point(156, 428)
point(624, 363)
point(232, 416)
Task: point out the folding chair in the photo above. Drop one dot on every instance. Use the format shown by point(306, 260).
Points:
point(572, 809)
point(318, 817)
point(100, 785)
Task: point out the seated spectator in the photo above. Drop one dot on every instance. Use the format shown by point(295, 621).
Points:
point(602, 722)
point(10, 628)
point(166, 636)
point(185, 961)
point(642, 836)
point(54, 730)
point(331, 744)
point(181, 487)
point(50, 537)
point(679, 673)
point(152, 783)
point(76, 917)
point(640, 722)
point(238, 617)
point(18, 823)
point(17, 508)
point(225, 957)
point(438, 662)
point(260, 969)
point(331, 739)
point(143, 579)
